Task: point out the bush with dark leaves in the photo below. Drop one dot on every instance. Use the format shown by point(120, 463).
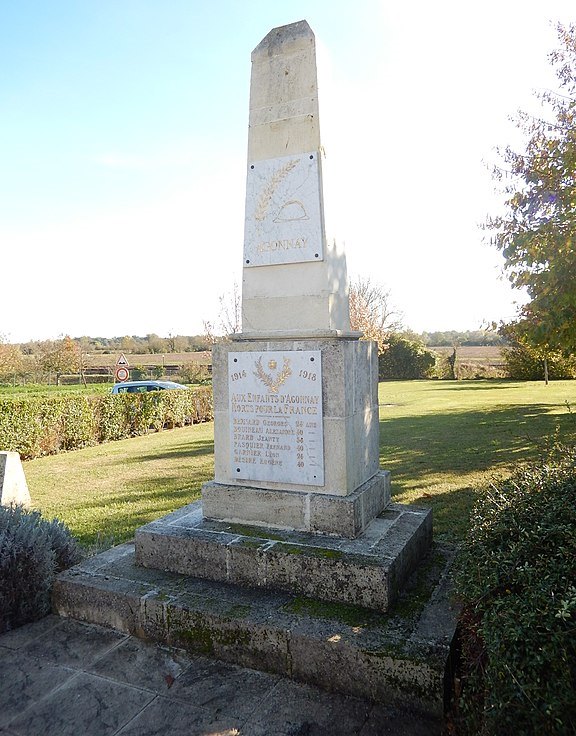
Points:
point(516, 576)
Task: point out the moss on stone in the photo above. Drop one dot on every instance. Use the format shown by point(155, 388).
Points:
point(341, 612)
point(250, 543)
point(238, 611)
point(309, 551)
point(420, 586)
point(254, 531)
point(198, 636)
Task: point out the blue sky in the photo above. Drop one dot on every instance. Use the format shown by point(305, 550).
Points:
point(123, 131)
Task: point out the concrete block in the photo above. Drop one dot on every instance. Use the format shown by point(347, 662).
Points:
point(13, 486)
point(249, 505)
point(349, 516)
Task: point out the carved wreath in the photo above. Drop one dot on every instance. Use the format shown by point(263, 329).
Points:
point(267, 378)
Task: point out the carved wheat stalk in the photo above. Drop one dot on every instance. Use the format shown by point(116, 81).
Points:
point(270, 188)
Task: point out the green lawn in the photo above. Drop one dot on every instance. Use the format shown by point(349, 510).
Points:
point(442, 440)
point(445, 440)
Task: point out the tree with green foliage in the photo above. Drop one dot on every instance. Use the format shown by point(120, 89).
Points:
point(525, 361)
point(537, 232)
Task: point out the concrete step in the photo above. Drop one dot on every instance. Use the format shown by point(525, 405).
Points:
point(370, 570)
point(397, 658)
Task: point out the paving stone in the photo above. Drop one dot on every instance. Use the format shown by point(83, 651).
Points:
point(25, 680)
point(86, 704)
point(140, 663)
point(73, 643)
point(164, 716)
point(292, 708)
point(224, 688)
point(135, 692)
point(24, 634)
point(384, 721)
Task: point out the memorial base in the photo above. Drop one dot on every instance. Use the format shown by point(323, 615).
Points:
point(369, 571)
point(345, 516)
point(399, 658)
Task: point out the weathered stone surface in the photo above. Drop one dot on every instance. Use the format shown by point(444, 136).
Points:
point(13, 486)
point(369, 570)
point(346, 516)
point(390, 658)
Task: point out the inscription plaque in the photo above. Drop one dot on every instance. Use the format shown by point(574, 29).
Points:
point(283, 222)
point(275, 402)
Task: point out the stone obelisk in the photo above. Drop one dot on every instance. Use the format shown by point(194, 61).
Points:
point(294, 281)
point(296, 392)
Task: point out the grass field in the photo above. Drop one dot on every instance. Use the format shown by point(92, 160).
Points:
point(445, 440)
point(442, 440)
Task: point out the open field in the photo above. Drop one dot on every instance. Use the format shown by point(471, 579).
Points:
point(442, 440)
point(488, 354)
point(109, 360)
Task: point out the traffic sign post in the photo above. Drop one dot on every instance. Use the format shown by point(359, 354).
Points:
point(122, 372)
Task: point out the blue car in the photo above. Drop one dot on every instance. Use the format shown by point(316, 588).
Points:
point(140, 387)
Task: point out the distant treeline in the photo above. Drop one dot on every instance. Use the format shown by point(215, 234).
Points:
point(154, 344)
point(151, 343)
point(453, 338)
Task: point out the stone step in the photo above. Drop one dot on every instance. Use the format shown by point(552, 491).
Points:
point(398, 658)
point(369, 571)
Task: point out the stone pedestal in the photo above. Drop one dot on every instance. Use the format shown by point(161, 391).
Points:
point(349, 490)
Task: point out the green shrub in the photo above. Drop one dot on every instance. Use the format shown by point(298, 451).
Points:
point(404, 358)
point(194, 373)
point(32, 552)
point(516, 576)
point(138, 373)
point(44, 425)
point(523, 363)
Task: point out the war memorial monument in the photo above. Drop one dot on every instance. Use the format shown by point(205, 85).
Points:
point(295, 560)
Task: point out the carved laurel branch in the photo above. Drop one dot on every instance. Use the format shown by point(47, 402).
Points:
point(267, 378)
point(270, 188)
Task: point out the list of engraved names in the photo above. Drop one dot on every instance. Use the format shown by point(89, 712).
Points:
point(275, 403)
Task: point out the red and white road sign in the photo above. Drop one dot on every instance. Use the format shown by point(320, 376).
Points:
point(122, 374)
point(122, 360)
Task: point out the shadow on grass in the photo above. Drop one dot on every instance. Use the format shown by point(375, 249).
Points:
point(476, 385)
point(468, 441)
point(135, 506)
point(429, 452)
point(189, 450)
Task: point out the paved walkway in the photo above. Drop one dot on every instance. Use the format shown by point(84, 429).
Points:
point(60, 677)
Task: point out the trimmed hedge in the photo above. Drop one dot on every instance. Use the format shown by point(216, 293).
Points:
point(516, 576)
point(45, 425)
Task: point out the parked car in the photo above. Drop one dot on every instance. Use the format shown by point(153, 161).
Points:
point(140, 387)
